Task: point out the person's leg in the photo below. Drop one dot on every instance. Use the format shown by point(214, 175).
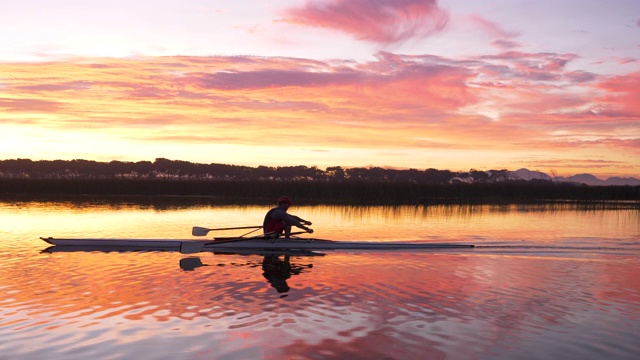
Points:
point(287, 230)
point(276, 229)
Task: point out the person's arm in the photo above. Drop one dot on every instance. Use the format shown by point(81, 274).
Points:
point(292, 219)
point(301, 220)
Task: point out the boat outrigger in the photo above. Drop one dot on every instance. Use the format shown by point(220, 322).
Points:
point(242, 243)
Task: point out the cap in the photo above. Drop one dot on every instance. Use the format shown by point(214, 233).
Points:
point(284, 200)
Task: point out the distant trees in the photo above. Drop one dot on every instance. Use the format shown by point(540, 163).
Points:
point(176, 169)
point(373, 185)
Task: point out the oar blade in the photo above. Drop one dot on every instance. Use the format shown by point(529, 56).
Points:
point(191, 247)
point(199, 231)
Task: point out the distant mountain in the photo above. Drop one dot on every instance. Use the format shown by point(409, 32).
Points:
point(584, 179)
point(588, 179)
point(622, 181)
point(526, 174)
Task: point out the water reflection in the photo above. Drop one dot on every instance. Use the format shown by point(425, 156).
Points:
point(512, 303)
point(277, 268)
point(191, 263)
point(277, 271)
point(377, 305)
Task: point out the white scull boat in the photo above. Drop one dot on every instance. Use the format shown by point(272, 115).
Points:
point(241, 243)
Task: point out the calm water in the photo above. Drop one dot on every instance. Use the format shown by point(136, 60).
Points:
point(544, 282)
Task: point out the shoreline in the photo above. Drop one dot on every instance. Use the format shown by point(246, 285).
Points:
point(186, 201)
point(318, 192)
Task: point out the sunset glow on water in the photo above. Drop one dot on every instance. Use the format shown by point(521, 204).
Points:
point(542, 282)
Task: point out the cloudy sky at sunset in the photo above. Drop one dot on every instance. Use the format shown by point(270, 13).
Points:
point(550, 85)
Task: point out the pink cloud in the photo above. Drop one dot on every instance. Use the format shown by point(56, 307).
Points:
point(622, 95)
point(392, 81)
point(491, 28)
point(271, 78)
point(534, 66)
point(627, 60)
point(65, 86)
point(380, 21)
point(629, 145)
point(29, 105)
point(505, 44)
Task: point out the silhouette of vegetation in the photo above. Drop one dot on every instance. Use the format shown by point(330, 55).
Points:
point(174, 169)
point(309, 185)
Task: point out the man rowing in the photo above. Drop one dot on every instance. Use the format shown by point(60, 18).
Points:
point(278, 221)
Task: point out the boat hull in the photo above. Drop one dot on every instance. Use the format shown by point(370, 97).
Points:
point(244, 243)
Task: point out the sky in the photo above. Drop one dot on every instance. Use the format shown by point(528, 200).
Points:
point(548, 85)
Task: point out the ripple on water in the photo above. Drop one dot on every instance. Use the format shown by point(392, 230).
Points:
point(121, 305)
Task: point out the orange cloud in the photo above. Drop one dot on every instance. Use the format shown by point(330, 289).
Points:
point(506, 103)
point(380, 21)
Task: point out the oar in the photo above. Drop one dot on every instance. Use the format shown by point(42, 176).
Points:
point(201, 231)
point(192, 247)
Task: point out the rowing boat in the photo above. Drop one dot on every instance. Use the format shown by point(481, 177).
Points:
point(116, 249)
point(240, 243)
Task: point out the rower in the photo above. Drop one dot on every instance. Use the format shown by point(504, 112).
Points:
point(278, 221)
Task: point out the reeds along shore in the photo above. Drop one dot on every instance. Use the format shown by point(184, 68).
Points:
point(324, 192)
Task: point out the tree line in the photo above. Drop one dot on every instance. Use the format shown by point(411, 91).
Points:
point(336, 185)
point(163, 168)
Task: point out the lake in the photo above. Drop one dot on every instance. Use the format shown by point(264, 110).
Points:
point(544, 281)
